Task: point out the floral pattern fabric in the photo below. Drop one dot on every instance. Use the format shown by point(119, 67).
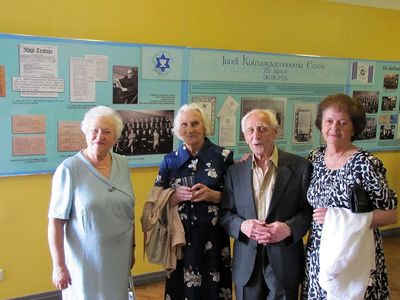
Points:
point(205, 270)
point(332, 188)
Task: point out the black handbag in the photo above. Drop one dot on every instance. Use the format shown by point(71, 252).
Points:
point(359, 202)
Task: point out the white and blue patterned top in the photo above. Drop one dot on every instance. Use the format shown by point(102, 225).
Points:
point(333, 188)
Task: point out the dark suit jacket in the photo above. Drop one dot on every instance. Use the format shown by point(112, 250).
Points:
point(288, 204)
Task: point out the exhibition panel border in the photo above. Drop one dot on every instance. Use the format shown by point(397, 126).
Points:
point(47, 84)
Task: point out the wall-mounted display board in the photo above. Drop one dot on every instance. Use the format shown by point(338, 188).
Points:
point(47, 84)
point(230, 83)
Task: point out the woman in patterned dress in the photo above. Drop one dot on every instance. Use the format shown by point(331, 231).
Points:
point(204, 272)
point(338, 168)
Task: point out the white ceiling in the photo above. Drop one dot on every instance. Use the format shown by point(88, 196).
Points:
point(386, 4)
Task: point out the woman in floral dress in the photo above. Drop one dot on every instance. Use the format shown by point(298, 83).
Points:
point(204, 272)
point(339, 167)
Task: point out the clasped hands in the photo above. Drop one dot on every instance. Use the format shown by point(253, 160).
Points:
point(265, 233)
point(196, 193)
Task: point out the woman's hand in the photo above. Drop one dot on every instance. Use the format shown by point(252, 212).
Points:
point(61, 278)
point(182, 193)
point(319, 215)
point(202, 192)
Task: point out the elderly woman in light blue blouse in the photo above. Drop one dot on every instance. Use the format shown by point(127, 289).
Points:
point(91, 216)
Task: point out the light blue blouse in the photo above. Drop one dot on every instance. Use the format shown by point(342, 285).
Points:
point(98, 233)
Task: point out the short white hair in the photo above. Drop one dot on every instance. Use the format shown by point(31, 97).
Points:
point(190, 107)
point(266, 114)
point(102, 111)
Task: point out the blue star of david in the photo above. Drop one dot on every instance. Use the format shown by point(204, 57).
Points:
point(162, 62)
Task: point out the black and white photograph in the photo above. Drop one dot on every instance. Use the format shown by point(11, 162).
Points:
point(369, 132)
point(370, 100)
point(387, 132)
point(125, 84)
point(277, 105)
point(303, 120)
point(390, 81)
point(388, 103)
point(146, 132)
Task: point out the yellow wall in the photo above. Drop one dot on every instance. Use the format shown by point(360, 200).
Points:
point(285, 26)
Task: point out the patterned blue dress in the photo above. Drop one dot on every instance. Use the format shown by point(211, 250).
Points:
point(205, 270)
point(332, 188)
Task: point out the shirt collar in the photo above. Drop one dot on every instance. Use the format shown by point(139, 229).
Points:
point(273, 158)
point(184, 155)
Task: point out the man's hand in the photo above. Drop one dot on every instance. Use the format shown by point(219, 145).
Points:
point(265, 233)
point(276, 232)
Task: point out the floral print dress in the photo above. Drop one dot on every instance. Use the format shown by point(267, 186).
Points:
point(332, 188)
point(205, 270)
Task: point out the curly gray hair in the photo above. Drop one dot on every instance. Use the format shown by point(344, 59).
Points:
point(102, 111)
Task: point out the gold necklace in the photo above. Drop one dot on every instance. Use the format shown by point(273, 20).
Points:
point(91, 161)
point(103, 168)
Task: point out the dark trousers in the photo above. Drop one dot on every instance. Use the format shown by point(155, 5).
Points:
point(263, 283)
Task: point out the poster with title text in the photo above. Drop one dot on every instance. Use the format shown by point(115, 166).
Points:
point(292, 86)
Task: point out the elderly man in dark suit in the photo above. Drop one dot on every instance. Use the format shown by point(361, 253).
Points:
point(265, 209)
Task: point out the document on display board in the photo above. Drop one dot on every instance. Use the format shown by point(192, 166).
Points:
point(82, 79)
point(227, 130)
point(28, 124)
point(101, 66)
point(37, 61)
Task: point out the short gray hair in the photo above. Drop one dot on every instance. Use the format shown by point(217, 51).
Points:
point(189, 107)
point(102, 111)
point(266, 114)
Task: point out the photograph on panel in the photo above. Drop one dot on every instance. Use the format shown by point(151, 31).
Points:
point(125, 84)
point(387, 126)
point(369, 132)
point(388, 103)
point(277, 105)
point(369, 99)
point(303, 120)
point(390, 81)
point(145, 132)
